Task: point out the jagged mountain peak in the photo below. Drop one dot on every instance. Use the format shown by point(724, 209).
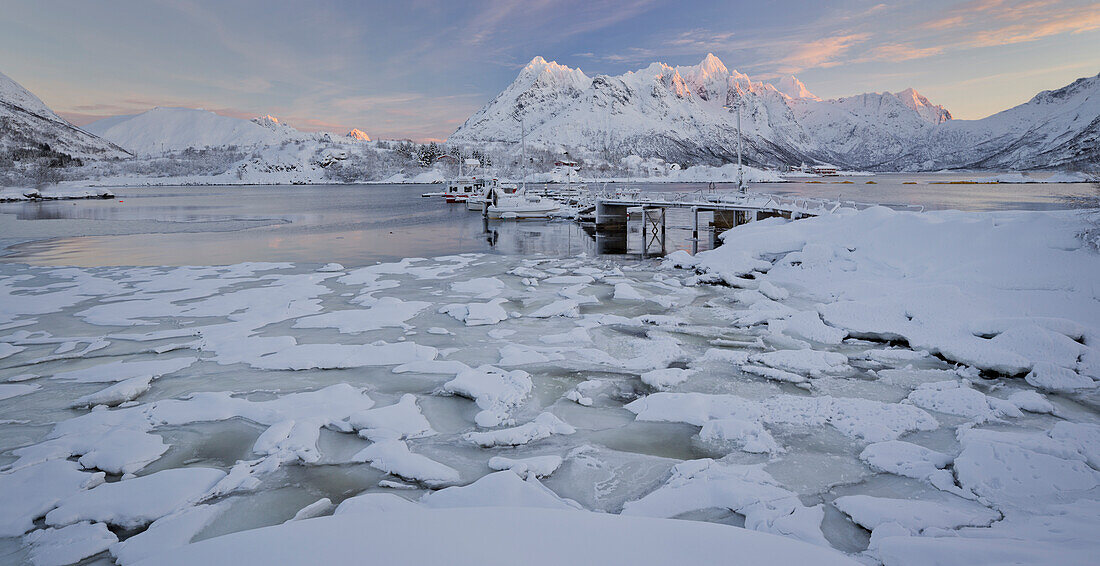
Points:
point(683, 114)
point(358, 135)
point(266, 119)
point(541, 71)
point(934, 113)
point(711, 63)
point(794, 88)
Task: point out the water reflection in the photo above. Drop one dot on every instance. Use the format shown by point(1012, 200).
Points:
point(359, 224)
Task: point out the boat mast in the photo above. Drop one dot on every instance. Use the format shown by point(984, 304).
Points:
point(740, 170)
point(523, 146)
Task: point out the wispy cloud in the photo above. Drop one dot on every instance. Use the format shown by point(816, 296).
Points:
point(824, 52)
point(985, 23)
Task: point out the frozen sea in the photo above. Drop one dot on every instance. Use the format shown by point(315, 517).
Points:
point(220, 359)
point(357, 224)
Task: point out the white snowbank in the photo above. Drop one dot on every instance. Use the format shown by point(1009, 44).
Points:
point(500, 489)
point(456, 536)
point(1007, 292)
point(166, 533)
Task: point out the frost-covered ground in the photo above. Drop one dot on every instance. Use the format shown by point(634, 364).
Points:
point(905, 388)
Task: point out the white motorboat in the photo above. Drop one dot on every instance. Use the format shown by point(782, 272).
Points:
point(519, 205)
point(463, 187)
point(477, 202)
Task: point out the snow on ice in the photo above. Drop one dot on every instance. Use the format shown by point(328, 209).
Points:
point(931, 377)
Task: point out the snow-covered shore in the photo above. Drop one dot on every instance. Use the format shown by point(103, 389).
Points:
point(1007, 292)
point(54, 192)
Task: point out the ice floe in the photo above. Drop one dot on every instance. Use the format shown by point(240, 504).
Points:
point(394, 457)
point(747, 490)
point(539, 466)
point(138, 501)
point(69, 545)
point(495, 391)
point(543, 426)
point(398, 421)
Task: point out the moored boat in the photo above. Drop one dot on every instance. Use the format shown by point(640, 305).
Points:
point(477, 202)
point(519, 205)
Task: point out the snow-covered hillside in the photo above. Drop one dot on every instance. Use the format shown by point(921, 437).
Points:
point(170, 129)
point(1059, 128)
point(685, 114)
point(26, 122)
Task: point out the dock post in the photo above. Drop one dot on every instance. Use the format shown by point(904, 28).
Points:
point(695, 230)
point(663, 247)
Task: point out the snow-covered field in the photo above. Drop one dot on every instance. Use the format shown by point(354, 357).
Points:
point(903, 388)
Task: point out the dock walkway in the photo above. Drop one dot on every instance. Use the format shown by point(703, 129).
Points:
point(729, 209)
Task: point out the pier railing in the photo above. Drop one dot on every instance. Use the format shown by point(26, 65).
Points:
point(737, 200)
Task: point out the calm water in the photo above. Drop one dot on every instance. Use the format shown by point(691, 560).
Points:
point(358, 224)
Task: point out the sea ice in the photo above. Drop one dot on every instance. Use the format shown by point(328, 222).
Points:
point(543, 426)
point(384, 312)
point(394, 457)
point(69, 545)
point(495, 391)
point(916, 516)
point(138, 501)
point(166, 533)
point(747, 490)
point(499, 489)
point(477, 314)
point(27, 494)
point(539, 466)
point(398, 421)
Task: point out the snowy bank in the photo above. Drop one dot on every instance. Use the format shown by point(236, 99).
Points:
point(59, 192)
point(497, 535)
point(1011, 293)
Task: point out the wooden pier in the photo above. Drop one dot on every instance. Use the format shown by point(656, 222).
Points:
point(728, 209)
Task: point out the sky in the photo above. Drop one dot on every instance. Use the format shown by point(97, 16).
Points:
point(417, 69)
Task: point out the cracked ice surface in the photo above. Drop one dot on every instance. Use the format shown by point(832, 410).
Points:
point(880, 402)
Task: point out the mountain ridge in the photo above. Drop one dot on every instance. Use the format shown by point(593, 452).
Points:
point(685, 114)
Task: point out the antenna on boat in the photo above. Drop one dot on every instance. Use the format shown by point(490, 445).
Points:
point(740, 170)
point(523, 149)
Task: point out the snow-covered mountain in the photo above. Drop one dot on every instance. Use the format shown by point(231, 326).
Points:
point(687, 114)
point(26, 122)
point(357, 135)
point(792, 87)
point(167, 129)
point(1057, 128)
